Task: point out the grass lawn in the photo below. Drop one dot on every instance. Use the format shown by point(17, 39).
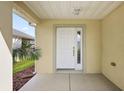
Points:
point(20, 66)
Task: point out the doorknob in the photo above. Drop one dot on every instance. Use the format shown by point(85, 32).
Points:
point(73, 51)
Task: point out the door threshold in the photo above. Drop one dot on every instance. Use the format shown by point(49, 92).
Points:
point(68, 71)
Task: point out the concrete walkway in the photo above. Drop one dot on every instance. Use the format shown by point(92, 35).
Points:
point(69, 82)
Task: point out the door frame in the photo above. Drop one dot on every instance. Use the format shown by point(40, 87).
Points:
point(55, 26)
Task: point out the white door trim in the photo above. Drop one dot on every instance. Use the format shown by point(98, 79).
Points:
point(83, 46)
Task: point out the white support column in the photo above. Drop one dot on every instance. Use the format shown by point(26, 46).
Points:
point(5, 66)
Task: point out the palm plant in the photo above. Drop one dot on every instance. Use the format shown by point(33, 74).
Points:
point(26, 52)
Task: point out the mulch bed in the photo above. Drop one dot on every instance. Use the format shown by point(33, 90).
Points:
point(20, 78)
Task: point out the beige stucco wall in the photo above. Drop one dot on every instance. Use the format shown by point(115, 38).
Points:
point(22, 10)
point(113, 46)
point(5, 43)
point(45, 34)
point(6, 21)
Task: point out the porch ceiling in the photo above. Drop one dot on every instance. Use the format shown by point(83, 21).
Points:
point(65, 9)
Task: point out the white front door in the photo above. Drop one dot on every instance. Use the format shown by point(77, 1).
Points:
point(68, 53)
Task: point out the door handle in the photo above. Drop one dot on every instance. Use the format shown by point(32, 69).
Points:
point(73, 51)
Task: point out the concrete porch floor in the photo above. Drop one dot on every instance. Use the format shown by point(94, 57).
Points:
point(69, 82)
